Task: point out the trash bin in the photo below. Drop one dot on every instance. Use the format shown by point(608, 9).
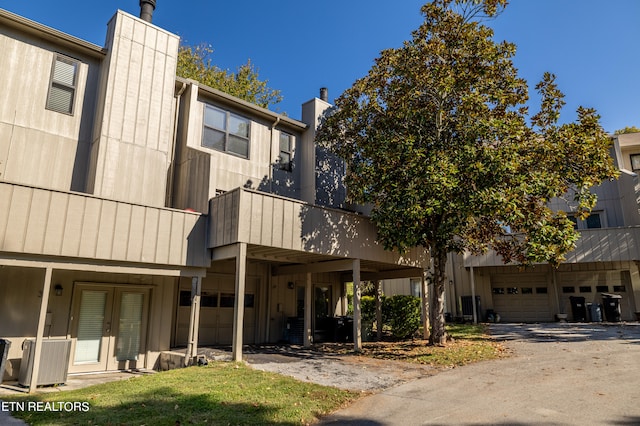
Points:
point(344, 329)
point(578, 308)
point(611, 305)
point(595, 312)
point(4, 353)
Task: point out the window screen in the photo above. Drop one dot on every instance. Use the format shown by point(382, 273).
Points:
point(63, 85)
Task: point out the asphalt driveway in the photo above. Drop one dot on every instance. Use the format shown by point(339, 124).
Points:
point(559, 374)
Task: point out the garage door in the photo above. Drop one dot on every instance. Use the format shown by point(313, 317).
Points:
point(521, 297)
point(216, 311)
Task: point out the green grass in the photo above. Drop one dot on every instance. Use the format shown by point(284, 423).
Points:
point(218, 394)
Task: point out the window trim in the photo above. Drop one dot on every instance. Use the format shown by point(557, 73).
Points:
point(580, 225)
point(286, 166)
point(227, 133)
point(61, 84)
point(631, 157)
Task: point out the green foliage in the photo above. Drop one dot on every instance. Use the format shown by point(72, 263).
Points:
point(628, 129)
point(194, 62)
point(437, 138)
point(403, 314)
point(368, 308)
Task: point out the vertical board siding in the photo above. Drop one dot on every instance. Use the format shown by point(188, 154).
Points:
point(44, 222)
point(262, 219)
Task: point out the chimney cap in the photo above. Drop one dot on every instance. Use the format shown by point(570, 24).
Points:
point(146, 9)
point(324, 94)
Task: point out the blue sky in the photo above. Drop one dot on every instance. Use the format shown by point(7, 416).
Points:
point(592, 46)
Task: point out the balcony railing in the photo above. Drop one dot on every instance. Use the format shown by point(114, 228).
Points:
point(594, 245)
point(56, 223)
point(261, 219)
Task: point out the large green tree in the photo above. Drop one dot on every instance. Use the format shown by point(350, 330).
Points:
point(194, 62)
point(438, 140)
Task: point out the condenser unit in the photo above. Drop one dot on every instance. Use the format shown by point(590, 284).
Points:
point(54, 362)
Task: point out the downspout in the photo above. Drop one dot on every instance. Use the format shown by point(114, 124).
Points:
point(273, 126)
point(169, 196)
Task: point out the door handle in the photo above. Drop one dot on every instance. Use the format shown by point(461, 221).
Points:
point(108, 328)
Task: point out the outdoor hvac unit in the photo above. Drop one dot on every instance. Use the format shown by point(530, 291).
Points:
point(54, 362)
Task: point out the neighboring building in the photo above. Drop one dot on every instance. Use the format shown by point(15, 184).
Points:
point(606, 258)
point(141, 212)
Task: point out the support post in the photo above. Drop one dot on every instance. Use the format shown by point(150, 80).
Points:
point(357, 321)
point(307, 337)
point(37, 351)
point(378, 310)
point(194, 321)
point(238, 311)
point(473, 296)
point(426, 314)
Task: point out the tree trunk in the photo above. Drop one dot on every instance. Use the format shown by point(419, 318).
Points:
point(438, 332)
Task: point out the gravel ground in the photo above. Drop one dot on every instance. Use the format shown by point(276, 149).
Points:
point(349, 372)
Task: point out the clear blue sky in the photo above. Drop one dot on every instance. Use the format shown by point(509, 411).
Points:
point(593, 46)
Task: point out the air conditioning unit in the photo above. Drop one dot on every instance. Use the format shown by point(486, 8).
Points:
point(54, 362)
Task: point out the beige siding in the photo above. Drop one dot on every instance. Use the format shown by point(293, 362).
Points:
point(266, 220)
point(594, 245)
point(40, 221)
point(38, 146)
point(201, 171)
point(131, 156)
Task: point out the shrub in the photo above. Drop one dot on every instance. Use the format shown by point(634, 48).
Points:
point(403, 314)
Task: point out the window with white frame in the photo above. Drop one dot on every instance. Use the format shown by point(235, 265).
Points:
point(225, 131)
point(286, 152)
point(62, 88)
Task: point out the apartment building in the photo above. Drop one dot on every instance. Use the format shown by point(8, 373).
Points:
point(604, 262)
point(141, 212)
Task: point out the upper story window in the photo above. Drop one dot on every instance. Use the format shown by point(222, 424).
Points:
point(224, 131)
point(286, 151)
point(62, 88)
point(594, 221)
point(635, 162)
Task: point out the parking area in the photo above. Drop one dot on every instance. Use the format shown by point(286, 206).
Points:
point(559, 374)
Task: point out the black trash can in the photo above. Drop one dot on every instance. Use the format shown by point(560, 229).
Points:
point(4, 353)
point(344, 329)
point(611, 305)
point(578, 308)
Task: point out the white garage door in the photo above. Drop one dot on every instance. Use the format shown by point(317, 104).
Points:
point(521, 297)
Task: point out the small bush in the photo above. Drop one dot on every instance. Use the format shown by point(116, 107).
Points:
point(403, 314)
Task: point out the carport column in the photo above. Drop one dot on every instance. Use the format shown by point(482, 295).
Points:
point(194, 321)
point(308, 296)
point(238, 308)
point(357, 324)
point(426, 314)
point(378, 310)
point(473, 296)
point(41, 322)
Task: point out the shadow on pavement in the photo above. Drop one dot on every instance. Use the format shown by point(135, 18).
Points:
point(567, 332)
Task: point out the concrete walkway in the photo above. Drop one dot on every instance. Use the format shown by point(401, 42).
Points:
point(559, 374)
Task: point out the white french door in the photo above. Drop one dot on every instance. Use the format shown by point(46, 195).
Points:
point(108, 328)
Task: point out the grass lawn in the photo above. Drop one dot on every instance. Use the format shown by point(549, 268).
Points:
point(218, 394)
point(224, 393)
